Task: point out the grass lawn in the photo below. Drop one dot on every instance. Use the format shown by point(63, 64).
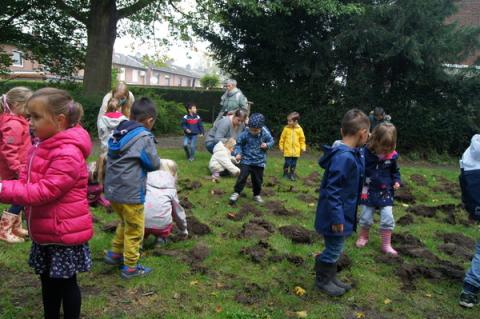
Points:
point(252, 271)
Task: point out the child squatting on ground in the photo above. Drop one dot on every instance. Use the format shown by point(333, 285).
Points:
point(162, 205)
point(382, 178)
point(470, 185)
point(192, 126)
point(53, 187)
point(292, 143)
point(251, 151)
point(222, 162)
point(344, 166)
point(131, 154)
point(14, 145)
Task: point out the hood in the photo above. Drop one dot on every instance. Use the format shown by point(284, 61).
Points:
point(330, 151)
point(161, 180)
point(471, 157)
point(219, 147)
point(126, 133)
point(112, 120)
point(76, 135)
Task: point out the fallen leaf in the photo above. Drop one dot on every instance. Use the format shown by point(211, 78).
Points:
point(219, 285)
point(176, 295)
point(359, 315)
point(428, 295)
point(301, 314)
point(193, 282)
point(387, 301)
point(311, 205)
point(299, 291)
point(218, 309)
point(405, 205)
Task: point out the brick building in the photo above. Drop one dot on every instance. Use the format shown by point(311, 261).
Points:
point(468, 15)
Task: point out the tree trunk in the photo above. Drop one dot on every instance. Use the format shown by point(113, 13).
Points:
point(101, 32)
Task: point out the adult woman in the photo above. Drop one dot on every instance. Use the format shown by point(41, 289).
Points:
point(124, 96)
point(229, 126)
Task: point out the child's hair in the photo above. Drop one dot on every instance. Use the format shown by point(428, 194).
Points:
point(354, 121)
point(294, 116)
point(189, 106)
point(60, 102)
point(113, 105)
point(123, 88)
point(383, 135)
point(230, 143)
point(378, 111)
point(18, 95)
point(170, 166)
point(143, 109)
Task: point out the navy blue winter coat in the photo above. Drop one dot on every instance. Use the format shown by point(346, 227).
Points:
point(248, 145)
point(192, 123)
point(340, 189)
point(380, 176)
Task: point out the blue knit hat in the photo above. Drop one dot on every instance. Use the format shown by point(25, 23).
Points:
point(256, 120)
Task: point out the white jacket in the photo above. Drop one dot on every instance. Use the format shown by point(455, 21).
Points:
point(222, 160)
point(471, 157)
point(162, 204)
point(106, 125)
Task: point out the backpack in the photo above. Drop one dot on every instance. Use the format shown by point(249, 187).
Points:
point(470, 186)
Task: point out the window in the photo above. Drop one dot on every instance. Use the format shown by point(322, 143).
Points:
point(189, 82)
point(17, 59)
point(181, 82)
point(121, 74)
point(167, 77)
point(134, 75)
point(154, 79)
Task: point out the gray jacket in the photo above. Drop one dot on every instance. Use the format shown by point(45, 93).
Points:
point(222, 130)
point(131, 154)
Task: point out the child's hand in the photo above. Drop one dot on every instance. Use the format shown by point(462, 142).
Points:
point(396, 185)
point(264, 146)
point(238, 157)
point(188, 131)
point(337, 228)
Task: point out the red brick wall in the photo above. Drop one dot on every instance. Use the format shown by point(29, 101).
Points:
point(468, 14)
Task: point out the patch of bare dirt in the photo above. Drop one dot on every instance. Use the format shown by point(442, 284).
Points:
point(279, 209)
point(188, 185)
point(420, 180)
point(406, 220)
point(298, 234)
point(313, 179)
point(344, 262)
point(445, 185)
point(423, 211)
point(404, 194)
point(457, 239)
point(218, 192)
point(268, 192)
point(196, 227)
point(257, 228)
point(251, 294)
point(185, 202)
point(271, 181)
point(258, 252)
point(307, 198)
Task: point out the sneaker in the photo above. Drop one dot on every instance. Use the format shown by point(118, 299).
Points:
point(112, 258)
point(233, 198)
point(468, 300)
point(258, 199)
point(137, 271)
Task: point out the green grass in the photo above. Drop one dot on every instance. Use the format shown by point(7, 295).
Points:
point(173, 290)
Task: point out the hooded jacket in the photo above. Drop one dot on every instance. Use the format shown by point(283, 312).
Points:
point(106, 125)
point(161, 203)
point(248, 146)
point(340, 189)
point(54, 189)
point(192, 123)
point(131, 154)
point(222, 160)
point(292, 141)
point(14, 145)
point(233, 100)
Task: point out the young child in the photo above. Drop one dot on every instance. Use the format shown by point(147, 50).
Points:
point(109, 121)
point(470, 185)
point(342, 181)
point(382, 178)
point(222, 159)
point(14, 145)
point(53, 187)
point(131, 154)
point(96, 176)
point(162, 205)
point(292, 143)
point(192, 126)
point(251, 151)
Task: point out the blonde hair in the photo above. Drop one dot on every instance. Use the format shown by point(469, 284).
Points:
point(60, 102)
point(122, 87)
point(383, 135)
point(17, 95)
point(170, 166)
point(113, 105)
point(230, 143)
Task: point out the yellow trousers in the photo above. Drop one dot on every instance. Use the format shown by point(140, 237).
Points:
point(129, 234)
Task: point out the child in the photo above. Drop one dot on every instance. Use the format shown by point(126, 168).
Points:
point(96, 172)
point(342, 181)
point(292, 143)
point(470, 184)
point(14, 145)
point(382, 179)
point(222, 159)
point(109, 121)
point(251, 151)
point(131, 154)
point(192, 126)
point(54, 189)
point(161, 203)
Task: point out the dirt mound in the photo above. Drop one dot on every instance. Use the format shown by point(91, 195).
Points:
point(277, 208)
point(196, 227)
point(405, 195)
point(196, 256)
point(420, 180)
point(268, 192)
point(287, 189)
point(389, 259)
point(298, 234)
point(344, 262)
point(218, 192)
point(110, 227)
point(246, 210)
point(307, 198)
point(294, 259)
point(257, 228)
point(258, 252)
point(186, 203)
point(440, 270)
point(445, 185)
point(457, 239)
point(251, 294)
point(411, 246)
point(187, 184)
point(312, 180)
point(406, 220)
point(423, 210)
point(406, 239)
point(456, 251)
point(271, 181)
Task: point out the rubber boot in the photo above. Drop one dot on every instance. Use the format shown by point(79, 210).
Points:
point(340, 283)
point(17, 228)
point(362, 238)
point(187, 150)
point(285, 173)
point(6, 224)
point(292, 174)
point(325, 273)
point(386, 236)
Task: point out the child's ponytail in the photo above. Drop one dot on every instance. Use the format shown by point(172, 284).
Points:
point(15, 100)
point(60, 102)
point(75, 113)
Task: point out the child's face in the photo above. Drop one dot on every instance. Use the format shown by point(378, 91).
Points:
point(383, 150)
point(291, 122)
point(42, 123)
point(362, 136)
point(193, 110)
point(254, 131)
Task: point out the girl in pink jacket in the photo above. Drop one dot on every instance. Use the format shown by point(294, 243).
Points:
point(53, 187)
point(14, 145)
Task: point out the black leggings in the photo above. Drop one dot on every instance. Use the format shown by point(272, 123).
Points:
point(58, 290)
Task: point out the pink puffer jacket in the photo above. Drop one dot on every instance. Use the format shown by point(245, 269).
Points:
point(54, 189)
point(14, 144)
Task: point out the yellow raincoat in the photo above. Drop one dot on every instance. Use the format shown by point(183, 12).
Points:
point(292, 141)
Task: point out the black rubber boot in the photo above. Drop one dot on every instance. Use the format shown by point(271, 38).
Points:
point(292, 174)
point(325, 273)
point(187, 150)
point(285, 173)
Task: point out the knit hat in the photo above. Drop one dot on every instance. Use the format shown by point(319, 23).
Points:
point(256, 120)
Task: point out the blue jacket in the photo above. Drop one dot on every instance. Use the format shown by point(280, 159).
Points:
point(192, 123)
point(380, 175)
point(248, 145)
point(340, 189)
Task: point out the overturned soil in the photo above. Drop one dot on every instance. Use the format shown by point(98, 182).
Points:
point(458, 239)
point(408, 273)
point(287, 189)
point(445, 185)
point(257, 228)
point(271, 181)
point(196, 227)
point(456, 251)
point(298, 234)
point(404, 194)
point(186, 203)
point(423, 211)
point(406, 220)
point(312, 180)
point(258, 252)
point(307, 198)
point(420, 180)
point(268, 192)
point(344, 262)
point(279, 209)
point(251, 294)
point(187, 184)
point(196, 256)
point(218, 192)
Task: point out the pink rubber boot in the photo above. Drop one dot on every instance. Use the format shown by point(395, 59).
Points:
point(363, 238)
point(387, 248)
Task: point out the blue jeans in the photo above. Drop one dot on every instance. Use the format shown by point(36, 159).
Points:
point(290, 162)
point(192, 141)
point(386, 217)
point(471, 283)
point(334, 246)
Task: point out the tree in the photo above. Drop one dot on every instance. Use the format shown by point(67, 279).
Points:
point(209, 81)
